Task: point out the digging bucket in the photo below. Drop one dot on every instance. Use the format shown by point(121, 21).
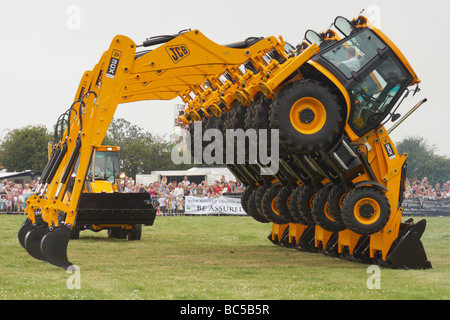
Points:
point(53, 246)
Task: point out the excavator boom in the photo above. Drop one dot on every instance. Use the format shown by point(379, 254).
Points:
point(178, 67)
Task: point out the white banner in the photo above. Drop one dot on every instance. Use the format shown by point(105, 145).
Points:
point(217, 205)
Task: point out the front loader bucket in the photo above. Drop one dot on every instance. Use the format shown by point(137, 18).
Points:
point(407, 252)
point(115, 208)
point(54, 244)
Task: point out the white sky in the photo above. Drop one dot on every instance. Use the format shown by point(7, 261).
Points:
point(43, 57)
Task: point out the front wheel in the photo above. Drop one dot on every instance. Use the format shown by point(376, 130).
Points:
point(365, 210)
point(321, 213)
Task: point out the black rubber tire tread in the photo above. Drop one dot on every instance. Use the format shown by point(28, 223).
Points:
point(350, 201)
point(293, 208)
point(249, 115)
point(237, 117)
point(318, 211)
point(254, 205)
point(245, 196)
point(261, 114)
point(266, 205)
point(335, 202)
point(289, 136)
point(75, 233)
point(135, 232)
point(283, 198)
point(305, 197)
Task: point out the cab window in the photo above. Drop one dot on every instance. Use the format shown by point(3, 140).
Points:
point(376, 94)
point(356, 52)
point(106, 166)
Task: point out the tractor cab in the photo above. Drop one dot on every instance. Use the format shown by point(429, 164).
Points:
point(370, 67)
point(104, 171)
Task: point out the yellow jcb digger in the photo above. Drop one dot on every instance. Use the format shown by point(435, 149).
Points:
point(340, 183)
point(339, 186)
point(108, 211)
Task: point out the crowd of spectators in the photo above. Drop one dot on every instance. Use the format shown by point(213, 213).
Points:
point(422, 189)
point(13, 196)
point(168, 196)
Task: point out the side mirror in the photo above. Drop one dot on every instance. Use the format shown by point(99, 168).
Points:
point(344, 26)
point(395, 117)
point(313, 37)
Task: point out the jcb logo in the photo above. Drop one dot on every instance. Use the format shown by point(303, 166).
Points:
point(177, 53)
point(112, 67)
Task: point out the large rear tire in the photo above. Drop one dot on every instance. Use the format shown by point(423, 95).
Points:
point(308, 116)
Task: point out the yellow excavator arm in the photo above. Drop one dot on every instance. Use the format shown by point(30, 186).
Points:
point(179, 67)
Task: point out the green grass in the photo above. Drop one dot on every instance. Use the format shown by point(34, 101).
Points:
point(212, 258)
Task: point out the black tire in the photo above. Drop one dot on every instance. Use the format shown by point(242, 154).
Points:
point(320, 212)
point(268, 205)
point(261, 113)
point(366, 210)
point(135, 232)
point(307, 115)
point(335, 199)
point(117, 233)
point(245, 196)
point(254, 205)
point(249, 115)
point(304, 201)
point(283, 197)
point(293, 207)
point(75, 233)
point(236, 119)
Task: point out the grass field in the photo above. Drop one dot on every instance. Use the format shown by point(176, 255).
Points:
point(191, 258)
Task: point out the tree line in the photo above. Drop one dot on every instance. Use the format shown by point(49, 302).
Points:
point(142, 151)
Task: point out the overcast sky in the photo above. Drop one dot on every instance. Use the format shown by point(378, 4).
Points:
point(47, 45)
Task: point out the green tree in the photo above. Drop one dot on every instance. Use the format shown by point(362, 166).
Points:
point(140, 151)
point(25, 148)
point(423, 161)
